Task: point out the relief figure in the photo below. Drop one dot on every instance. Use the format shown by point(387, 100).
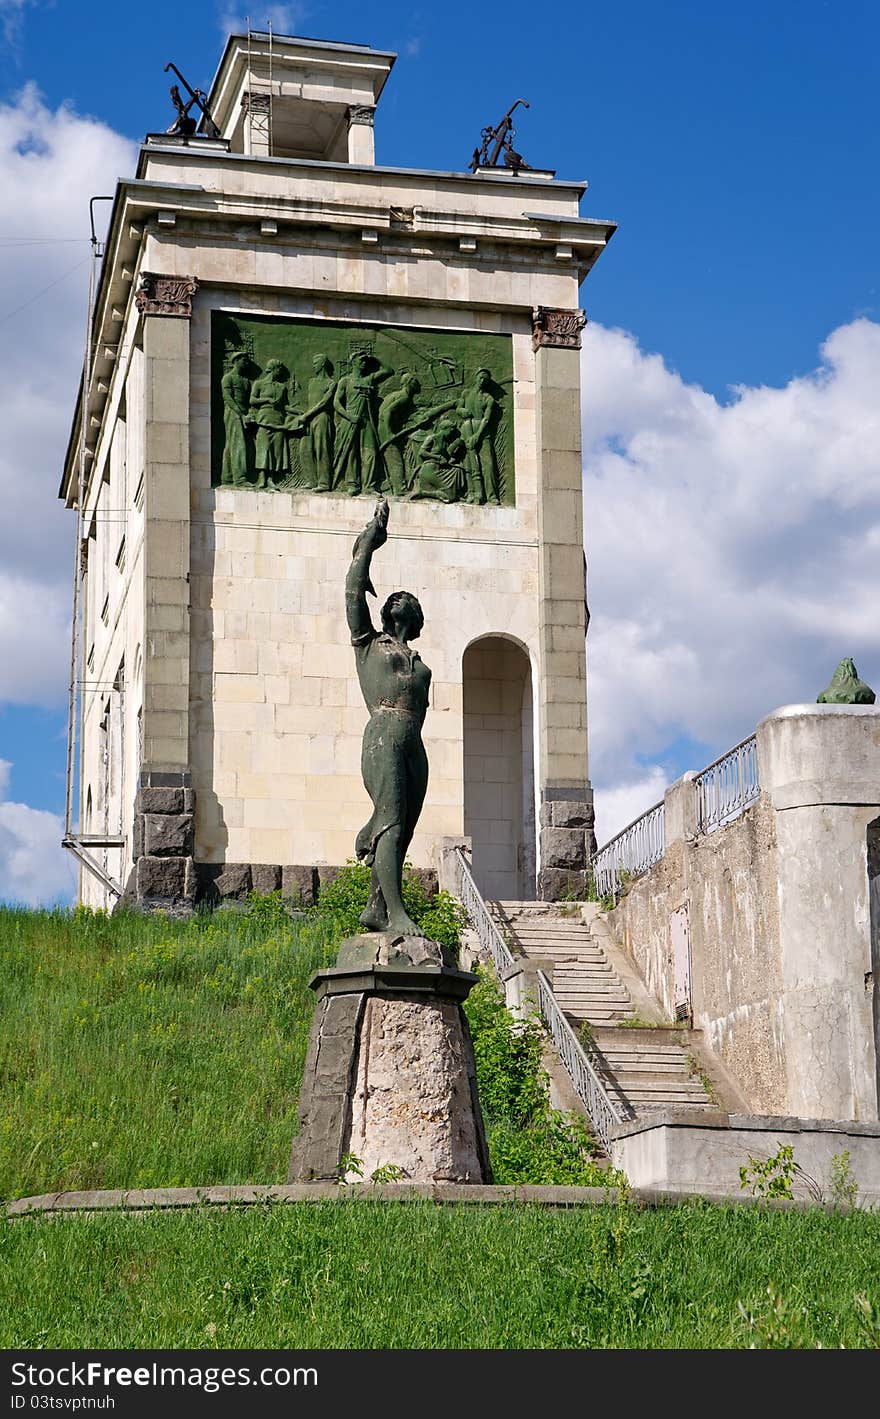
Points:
point(235, 389)
point(318, 419)
point(269, 398)
point(476, 414)
point(393, 428)
point(441, 473)
point(356, 459)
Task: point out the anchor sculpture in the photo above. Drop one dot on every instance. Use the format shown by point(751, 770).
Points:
point(498, 143)
point(183, 123)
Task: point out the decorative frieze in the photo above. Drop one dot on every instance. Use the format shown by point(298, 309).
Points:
point(560, 329)
point(353, 409)
point(166, 295)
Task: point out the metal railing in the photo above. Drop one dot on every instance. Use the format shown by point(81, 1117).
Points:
point(484, 924)
point(634, 850)
point(726, 788)
point(603, 1112)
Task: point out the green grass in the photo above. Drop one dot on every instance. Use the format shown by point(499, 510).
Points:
point(385, 1275)
point(141, 1052)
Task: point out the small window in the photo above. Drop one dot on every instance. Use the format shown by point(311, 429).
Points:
point(105, 609)
point(90, 658)
point(139, 494)
point(120, 557)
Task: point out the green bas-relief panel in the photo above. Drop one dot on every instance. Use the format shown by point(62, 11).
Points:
point(331, 408)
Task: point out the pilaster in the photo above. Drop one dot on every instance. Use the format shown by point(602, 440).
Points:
point(566, 823)
point(361, 143)
point(163, 864)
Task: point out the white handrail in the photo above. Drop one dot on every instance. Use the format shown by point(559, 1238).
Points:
point(483, 922)
point(726, 787)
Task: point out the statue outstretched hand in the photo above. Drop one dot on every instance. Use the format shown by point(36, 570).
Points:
point(375, 534)
point(380, 522)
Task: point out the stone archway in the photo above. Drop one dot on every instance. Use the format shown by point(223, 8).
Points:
point(499, 774)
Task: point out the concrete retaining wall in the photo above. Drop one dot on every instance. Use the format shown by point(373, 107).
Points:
point(700, 1155)
point(783, 956)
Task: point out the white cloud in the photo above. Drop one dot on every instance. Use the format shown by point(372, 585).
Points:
point(618, 806)
point(284, 19)
point(733, 549)
point(11, 15)
point(34, 868)
point(34, 640)
point(51, 162)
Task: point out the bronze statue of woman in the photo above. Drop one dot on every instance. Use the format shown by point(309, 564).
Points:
point(394, 682)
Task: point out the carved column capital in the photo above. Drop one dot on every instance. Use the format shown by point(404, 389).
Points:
point(361, 113)
point(166, 295)
point(560, 329)
point(256, 103)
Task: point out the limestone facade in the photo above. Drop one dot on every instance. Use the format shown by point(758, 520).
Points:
point(216, 658)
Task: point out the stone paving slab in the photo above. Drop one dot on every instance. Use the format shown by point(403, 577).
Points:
point(137, 1201)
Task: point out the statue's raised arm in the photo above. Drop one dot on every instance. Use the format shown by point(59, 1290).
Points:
point(357, 582)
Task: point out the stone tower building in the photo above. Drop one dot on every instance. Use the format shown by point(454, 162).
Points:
point(283, 331)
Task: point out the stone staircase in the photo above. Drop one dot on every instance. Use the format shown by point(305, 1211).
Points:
point(646, 1065)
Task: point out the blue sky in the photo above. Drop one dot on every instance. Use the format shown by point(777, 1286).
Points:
point(736, 145)
point(730, 365)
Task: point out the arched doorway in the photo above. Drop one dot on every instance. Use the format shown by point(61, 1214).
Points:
point(499, 775)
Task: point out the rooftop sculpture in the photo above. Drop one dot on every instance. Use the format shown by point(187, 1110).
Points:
point(497, 145)
point(846, 688)
point(184, 124)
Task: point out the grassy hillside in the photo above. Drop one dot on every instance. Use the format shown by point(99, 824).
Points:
point(142, 1052)
point(384, 1275)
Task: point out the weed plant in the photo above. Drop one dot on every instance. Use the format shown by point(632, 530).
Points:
point(343, 900)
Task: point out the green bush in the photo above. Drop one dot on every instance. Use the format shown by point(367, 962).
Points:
point(529, 1141)
point(441, 918)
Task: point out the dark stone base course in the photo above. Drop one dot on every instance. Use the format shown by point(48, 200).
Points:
point(568, 842)
point(560, 884)
point(220, 882)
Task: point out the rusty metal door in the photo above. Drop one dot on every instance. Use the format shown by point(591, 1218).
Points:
point(680, 931)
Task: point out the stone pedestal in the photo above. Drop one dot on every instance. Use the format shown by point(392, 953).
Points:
point(389, 1074)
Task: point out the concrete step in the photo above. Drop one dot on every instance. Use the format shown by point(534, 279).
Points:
point(646, 1070)
point(586, 980)
point(658, 1084)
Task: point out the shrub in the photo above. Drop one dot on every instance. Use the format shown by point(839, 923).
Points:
point(440, 917)
point(529, 1141)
